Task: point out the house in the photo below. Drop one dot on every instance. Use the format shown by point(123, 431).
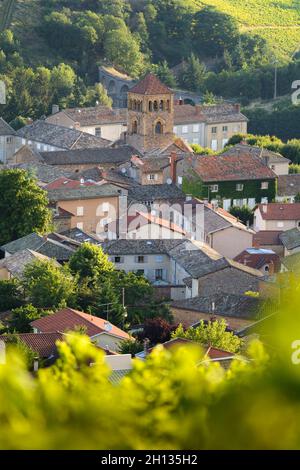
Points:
point(155, 195)
point(79, 160)
point(209, 126)
point(270, 240)
point(238, 311)
point(236, 179)
point(159, 169)
point(102, 332)
point(145, 226)
point(43, 344)
point(14, 265)
point(213, 225)
point(290, 240)
point(101, 121)
point(44, 174)
point(267, 261)
point(288, 187)
point(187, 268)
point(209, 354)
point(9, 141)
point(43, 245)
point(277, 216)
point(93, 206)
point(43, 136)
point(273, 160)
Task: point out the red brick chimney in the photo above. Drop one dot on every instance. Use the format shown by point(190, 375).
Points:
point(173, 171)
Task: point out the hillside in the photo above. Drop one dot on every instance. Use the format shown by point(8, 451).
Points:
point(278, 21)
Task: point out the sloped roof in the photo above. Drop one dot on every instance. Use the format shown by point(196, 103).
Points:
point(59, 136)
point(257, 258)
point(87, 155)
point(97, 115)
point(153, 192)
point(43, 245)
point(233, 167)
point(44, 344)
point(290, 239)
point(83, 192)
point(292, 263)
point(43, 173)
point(280, 211)
point(288, 185)
point(267, 237)
point(150, 85)
point(139, 247)
point(268, 155)
point(6, 129)
point(67, 319)
point(16, 263)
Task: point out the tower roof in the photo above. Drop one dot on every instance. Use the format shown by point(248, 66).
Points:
point(150, 85)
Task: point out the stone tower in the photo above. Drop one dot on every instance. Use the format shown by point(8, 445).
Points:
point(150, 115)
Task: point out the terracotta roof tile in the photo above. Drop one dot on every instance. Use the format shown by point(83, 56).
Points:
point(68, 319)
point(280, 211)
point(150, 85)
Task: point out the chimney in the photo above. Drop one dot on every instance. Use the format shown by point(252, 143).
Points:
point(271, 268)
point(45, 238)
point(180, 101)
point(55, 108)
point(237, 107)
point(81, 181)
point(198, 109)
point(36, 364)
point(146, 347)
point(173, 162)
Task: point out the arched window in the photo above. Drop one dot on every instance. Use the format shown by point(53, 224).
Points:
point(155, 106)
point(158, 128)
point(168, 105)
point(161, 105)
point(134, 127)
point(150, 106)
point(134, 105)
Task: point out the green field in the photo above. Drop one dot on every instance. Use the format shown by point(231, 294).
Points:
point(278, 21)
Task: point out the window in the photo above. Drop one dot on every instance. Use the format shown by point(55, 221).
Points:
point(298, 224)
point(39, 146)
point(152, 177)
point(185, 129)
point(159, 274)
point(214, 188)
point(175, 129)
point(158, 128)
point(8, 140)
point(214, 145)
point(134, 127)
point(80, 211)
point(264, 200)
point(224, 142)
point(23, 141)
point(214, 130)
point(225, 129)
point(105, 207)
point(179, 180)
point(273, 167)
point(98, 132)
point(140, 272)
point(119, 259)
point(264, 185)
point(80, 226)
point(196, 128)
point(141, 259)
point(239, 187)
point(159, 258)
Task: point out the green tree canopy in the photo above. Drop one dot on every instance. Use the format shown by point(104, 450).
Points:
point(23, 206)
point(47, 285)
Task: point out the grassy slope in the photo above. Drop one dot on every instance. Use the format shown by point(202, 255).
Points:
point(278, 21)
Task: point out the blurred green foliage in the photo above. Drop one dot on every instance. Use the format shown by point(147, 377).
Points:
point(170, 401)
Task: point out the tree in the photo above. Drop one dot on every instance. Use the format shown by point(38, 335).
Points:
point(90, 262)
point(97, 95)
point(47, 285)
point(130, 346)
point(14, 342)
point(244, 214)
point(193, 74)
point(297, 197)
point(22, 317)
point(157, 330)
point(23, 206)
point(164, 73)
point(214, 32)
point(211, 334)
point(10, 296)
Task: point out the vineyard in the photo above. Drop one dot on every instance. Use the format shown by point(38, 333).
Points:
point(278, 21)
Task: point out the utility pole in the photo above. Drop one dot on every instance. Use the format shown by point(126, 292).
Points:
point(275, 78)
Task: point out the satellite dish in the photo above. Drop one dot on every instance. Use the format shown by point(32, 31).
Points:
point(169, 181)
point(123, 170)
point(107, 326)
